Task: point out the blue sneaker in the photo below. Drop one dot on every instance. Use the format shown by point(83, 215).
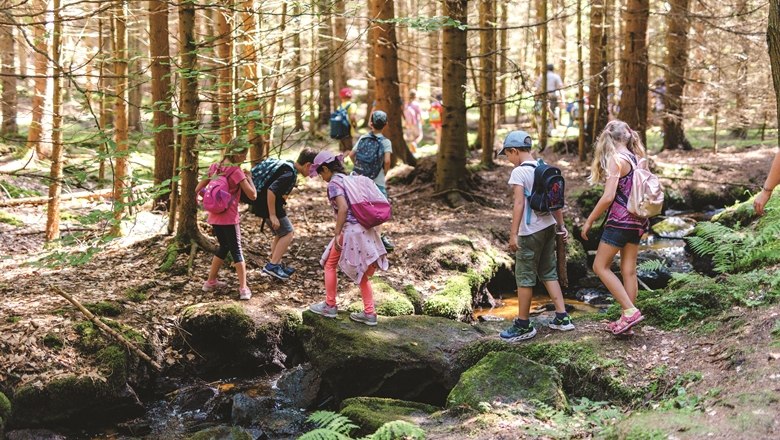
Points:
point(289, 270)
point(276, 270)
point(516, 333)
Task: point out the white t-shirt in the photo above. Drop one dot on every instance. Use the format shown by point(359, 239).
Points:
point(554, 82)
point(524, 176)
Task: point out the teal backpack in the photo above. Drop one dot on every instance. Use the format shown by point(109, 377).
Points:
point(262, 172)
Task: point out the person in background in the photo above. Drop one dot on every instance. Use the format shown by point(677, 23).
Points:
point(345, 144)
point(769, 186)
point(436, 117)
point(413, 132)
point(553, 87)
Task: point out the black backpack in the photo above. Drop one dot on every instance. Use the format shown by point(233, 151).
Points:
point(547, 192)
point(340, 127)
point(369, 156)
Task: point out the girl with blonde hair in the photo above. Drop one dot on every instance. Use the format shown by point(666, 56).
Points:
point(616, 154)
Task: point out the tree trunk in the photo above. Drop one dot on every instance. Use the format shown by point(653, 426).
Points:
point(371, 57)
point(560, 26)
point(339, 45)
point(298, 72)
point(160, 65)
point(270, 116)
point(324, 60)
point(773, 41)
point(451, 159)
point(55, 186)
point(388, 96)
point(598, 113)
point(580, 89)
point(225, 97)
point(136, 81)
point(487, 43)
point(102, 107)
point(8, 71)
point(39, 94)
point(676, 62)
point(250, 85)
point(633, 102)
point(187, 229)
point(434, 51)
point(313, 68)
point(503, 55)
point(541, 15)
point(742, 98)
point(120, 114)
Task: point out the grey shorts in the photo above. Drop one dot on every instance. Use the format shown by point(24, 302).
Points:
point(285, 227)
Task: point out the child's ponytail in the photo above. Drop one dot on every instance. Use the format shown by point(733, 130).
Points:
point(615, 133)
point(635, 144)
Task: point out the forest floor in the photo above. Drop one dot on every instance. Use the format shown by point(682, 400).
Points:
point(742, 365)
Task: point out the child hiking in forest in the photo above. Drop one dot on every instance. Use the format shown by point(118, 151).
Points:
point(532, 238)
point(220, 191)
point(274, 179)
point(356, 250)
point(616, 155)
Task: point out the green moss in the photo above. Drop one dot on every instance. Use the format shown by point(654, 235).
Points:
point(218, 323)
point(587, 198)
point(739, 214)
point(17, 191)
point(13, 319)
point(112, 362)
point(59, 400)
point(53, 341)
point(415, 297)
point(660, 425)
point(387, 300)
point(507, 377)
point(10, 219)
point(91, 339)
point(5, 409)
point(454, 301)
point(105, 308)
point(222, 433)
point(169, 259)
point(369, 413)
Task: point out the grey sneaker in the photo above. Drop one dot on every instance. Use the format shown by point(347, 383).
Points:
point(563, 324)
point(364, 318)
point(516, 333)
point(322, 308)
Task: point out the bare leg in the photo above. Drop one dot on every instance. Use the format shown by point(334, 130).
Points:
point(554, 289)
point(601, 266)
point(216, 264)
point(628, 270)
point(524, 295)
point(280, 247)
point(241, 272)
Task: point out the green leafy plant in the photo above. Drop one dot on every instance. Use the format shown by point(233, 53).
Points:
point(736, 251)
point(334, 426)
point(651, 266)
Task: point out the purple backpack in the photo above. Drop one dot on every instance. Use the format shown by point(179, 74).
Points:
point(368, 204)
point(216, 195)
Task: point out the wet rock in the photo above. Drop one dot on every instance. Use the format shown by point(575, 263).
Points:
point(137, 427)
point(406, 357)
point(223, 433)
point(674, 227)
point(246, 408)
point(300, 386)
point(74, 401)
point(705, 197)
point(267, 414)
point(507, 377)
point(34, 434)
point(490, 318)
point(657, 278)
point(595, 297)
point(194, 398)
point(576, 261)
point(369, 413)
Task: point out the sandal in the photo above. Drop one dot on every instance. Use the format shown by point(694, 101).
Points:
point(625, 323)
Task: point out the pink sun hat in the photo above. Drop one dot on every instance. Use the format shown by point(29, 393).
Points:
point(323, 157)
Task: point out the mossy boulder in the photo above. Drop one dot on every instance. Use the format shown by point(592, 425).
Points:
point(369, 413)
point(454, 301)
point(75, 401)
point(5, 411)
point(587, 199)
point(231, 340)
point(701, 197)
point(740, 214)
point(576, 261)
point(117, 365)
point(223, 433)
point(405, 357)
point(674, 227)
point(415, 297)
point(508, 378)
point(387, 300)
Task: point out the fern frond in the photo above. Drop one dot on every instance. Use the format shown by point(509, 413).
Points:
point(651, 266)
point(332, 421)
point(323, 434)
point(398, 429)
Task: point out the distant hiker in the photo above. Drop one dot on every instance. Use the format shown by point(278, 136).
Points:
point(343, 121)
point(436, 117)
point(354, 249)
point(274, 180)
point(222, 187)
point(532, 236)
point(658, 92)
point(616, 154)
point(372, 156)
point(769, 185)
point(413, 130)
point(553, 88)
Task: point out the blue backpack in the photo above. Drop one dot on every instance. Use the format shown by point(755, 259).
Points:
point(546, 194)
point(340, 127)
point(369, 156)
point(262, 172)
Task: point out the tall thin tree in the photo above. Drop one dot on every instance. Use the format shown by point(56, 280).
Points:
point(224, 43)
point(503, 56)
point(35, 131)
point(451, 158)
point(580, 88)
point(120, 113)
point(633, 80)
point(297, 71)
point(55, 185)
point(160, 64)
point(324, 59)
point(487, 43)
point(541, 15)
point(677, 27)
point(598, 111)
point(773, 41)
point(9, 126)
point(339, 46)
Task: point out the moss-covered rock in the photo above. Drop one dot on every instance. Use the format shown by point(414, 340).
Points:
point(587, 199)
point(76, 401)
point(369, 413)
point(223, 433)
point(454, 301)
point(230, 340)
point(576, 261)
point(702, 197)
point(105, 308)
point(674, 227)
point(5, 411)
point(405, 357)
point(507, 377)
point(739, 214)
point(415, 297)
point(387, 300)
point(583, 371)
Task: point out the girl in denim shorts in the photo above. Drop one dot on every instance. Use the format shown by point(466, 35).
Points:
point(614, 159)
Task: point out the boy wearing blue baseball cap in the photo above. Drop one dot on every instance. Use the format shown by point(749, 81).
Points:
point(532, 238)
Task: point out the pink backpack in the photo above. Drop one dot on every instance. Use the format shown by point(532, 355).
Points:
point(647, 195)
point(368, 204)
point(216, 195)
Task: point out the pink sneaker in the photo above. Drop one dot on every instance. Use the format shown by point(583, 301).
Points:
point(244, 294)
point(210, 286)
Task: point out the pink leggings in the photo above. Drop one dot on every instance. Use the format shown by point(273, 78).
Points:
point(331, 282)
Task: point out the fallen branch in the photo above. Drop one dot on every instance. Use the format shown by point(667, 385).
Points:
point(89, 195)
point(101, 325)
point(415, 189)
